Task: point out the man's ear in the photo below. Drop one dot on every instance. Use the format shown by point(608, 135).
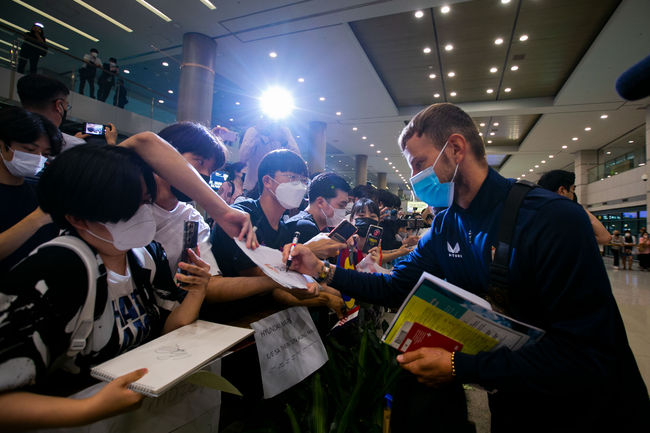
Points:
point(267, 181)
point(459, 146)
point(77, 223)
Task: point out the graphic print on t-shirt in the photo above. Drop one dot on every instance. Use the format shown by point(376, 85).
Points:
point(131, 320)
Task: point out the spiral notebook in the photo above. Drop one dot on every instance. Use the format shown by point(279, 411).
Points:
point(173, 356)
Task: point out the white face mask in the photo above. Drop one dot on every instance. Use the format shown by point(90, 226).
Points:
point(348, 207)
point(137, 231)
point(337, 217)
point(25, 164)
point(290, 194)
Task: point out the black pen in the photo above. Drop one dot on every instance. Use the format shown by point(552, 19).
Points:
point(296, 235)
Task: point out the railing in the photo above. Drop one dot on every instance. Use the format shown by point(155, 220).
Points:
point(58, 63)
point(613, 162)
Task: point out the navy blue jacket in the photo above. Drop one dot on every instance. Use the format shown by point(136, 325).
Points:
point(583, 369)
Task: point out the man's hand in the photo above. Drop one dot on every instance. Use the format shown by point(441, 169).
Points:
point(302, 260)
point(431, 365)
point(325, 247)
point(81, 135)
point(410, 241)
point(115, 397)
point(198, 274)
point(238, 223)
point(313, 289)
point(335, 303)
point(111, 134)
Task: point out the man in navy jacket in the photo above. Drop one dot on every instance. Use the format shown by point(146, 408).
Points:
point(582, 375)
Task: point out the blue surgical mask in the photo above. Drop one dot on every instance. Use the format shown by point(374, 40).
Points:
point(430, 190)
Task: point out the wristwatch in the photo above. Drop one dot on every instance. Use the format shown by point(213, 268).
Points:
point(325, 275)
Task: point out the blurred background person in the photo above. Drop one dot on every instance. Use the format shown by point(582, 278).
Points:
point(106, 80)
point(233, 187)
point(33, 48)
point(88, 70)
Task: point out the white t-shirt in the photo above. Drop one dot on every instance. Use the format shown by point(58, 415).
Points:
point(169, 232)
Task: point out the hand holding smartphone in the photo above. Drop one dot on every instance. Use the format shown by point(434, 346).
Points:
point(343, 231)
point(190, 241)
point(94, 128)
point(373, 238)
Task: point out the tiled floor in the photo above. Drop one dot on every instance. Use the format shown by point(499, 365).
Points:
point(632, 292)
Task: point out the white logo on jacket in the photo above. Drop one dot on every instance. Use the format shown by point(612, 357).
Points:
point(455, 251)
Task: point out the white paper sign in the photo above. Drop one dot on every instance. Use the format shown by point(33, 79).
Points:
point(289, 349)
point(270, 262)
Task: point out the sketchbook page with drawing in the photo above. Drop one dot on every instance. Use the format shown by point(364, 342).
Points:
point(456, 318)
point(173, 356)
point(270, 262)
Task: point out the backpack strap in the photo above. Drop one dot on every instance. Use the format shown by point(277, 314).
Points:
point(498, 290)
point(85, 318)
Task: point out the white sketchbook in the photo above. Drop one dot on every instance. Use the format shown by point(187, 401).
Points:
point(173, 356)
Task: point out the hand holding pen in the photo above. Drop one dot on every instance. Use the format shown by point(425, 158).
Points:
point(296, 236)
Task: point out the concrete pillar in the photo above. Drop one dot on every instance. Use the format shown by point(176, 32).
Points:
point(382, 182)
point(584, 160)
point(361, 169)
point(316, 153)
point(197, 79)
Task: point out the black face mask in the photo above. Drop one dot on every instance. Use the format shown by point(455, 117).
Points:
point(575, 197)
point(363, 224)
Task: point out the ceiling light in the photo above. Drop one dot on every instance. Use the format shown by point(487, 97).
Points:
point(419, 14)
point(237, 103)
point(436, 95)
point(505, 2)
point(514, 67)
point(603, 116)
point(551, 156)
point(575, 139)
point(56, 20)
point(445, 9)
point(209, 4)
point(379, 151)
point(103, 15)
point(231, 119)
point(495, 124)
point(523, 38)
point(364, 137)
point(390, 163)
point(451, 74)
point(276, 103)
point(426, 50)
point(608, 153)
point(492, 133)
point(565, 146)
point(301, 80)
point(449, 47)
point(160, 101)
point(126, 71)
point(432, 76)
point(170, 91)
point(536, 166)
point(543, 161)
point(6, 43)
point(530, 169)
point(480, 134)
point(588, 128)
point(490, 90)
point(338, 113)
point(489, 141)
point(5, 59)
point(453, 94)
point(523, 175)
point(493, 69)
point(154, 10)
point(482, 123)
point(372, 145)
point(507, 90)
point(386, 159)
point(165, 64)
point(498, 41)
point(273, 54)
point(354, 129)
point(322, 98)
point(630, 141)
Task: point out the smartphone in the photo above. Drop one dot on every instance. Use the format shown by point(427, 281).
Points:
point(94, 128)
point(343, 231)
point(190, 240)
point(373, 238)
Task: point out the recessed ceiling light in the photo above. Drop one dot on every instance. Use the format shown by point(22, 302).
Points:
point(543, 161)
point(449, 47)
point(482, 123)
point(630, 141)
point(354, 129)
point(551, 156)
point(231, 119)
point(273, 54)
point(603, 116)
point(379, 151)
point(154, 10)
point(322, 98)
point(386, 159)
point(505, 2)
point(565, 146)
point(480, 134)
point(536, 166)
point(451, 74)
point(490, 90)
point(160, 101)
point(301, 80)
point(492, 133)
point(493, 69)
point(170, 91)
point(453, 94)
point(390, 163)
point(608, 153)
point(445, 9)
point(523, 38)
point(498, 41)
point(523, 175)
point(489, 141)
point(338, 113)
point(426, 50)
point(419, 14)
point(588, 128)
point(514, 67)
point(436, 95)
point(126, 71)
point(165, 64)
point(575, 139)
point(507, 90)
point(432, 76)
point(530, 169)
point(237, 103)
point(372, 145)
point(495, 124)
point(364, 137)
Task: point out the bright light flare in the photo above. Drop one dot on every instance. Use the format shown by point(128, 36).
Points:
point(276, 103)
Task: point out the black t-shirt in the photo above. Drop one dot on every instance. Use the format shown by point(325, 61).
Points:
point(230, 258)
point(18, 202)
point(304, 223)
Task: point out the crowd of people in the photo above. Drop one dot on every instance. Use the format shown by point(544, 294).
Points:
point(125, 205)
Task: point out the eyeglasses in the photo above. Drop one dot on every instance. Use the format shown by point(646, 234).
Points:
point(67, 107)
point(295, 178)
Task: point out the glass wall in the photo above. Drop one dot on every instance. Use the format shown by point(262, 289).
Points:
point(624, 153)
point(631, 219)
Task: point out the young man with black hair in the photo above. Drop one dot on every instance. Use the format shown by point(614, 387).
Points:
point(49, 98)
point(564, 183)
point(88, 70)
point(328, 196)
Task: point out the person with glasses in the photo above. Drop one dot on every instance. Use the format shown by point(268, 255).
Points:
point(49, 98)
